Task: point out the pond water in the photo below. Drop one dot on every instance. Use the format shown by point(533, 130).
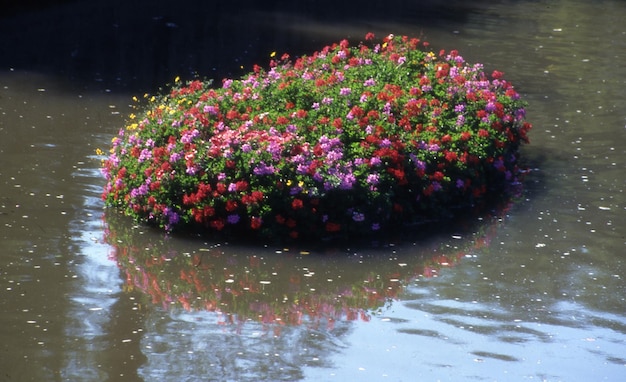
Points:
point(535, 291)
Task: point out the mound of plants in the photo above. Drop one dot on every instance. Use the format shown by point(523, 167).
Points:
point(348, 141)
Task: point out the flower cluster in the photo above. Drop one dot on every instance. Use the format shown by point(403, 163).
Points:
point(349, 140)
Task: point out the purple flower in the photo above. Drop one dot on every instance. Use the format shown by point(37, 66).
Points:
point(460, 120)
point(434, 147)
point(263, 169)
point(387, 109)
point(233, 219)
point(369, 82)
point(145, 155)
point(347, 181)
point(372, 179)
point(210, 109)
point(173, 217)
point(375, 161)
point(191, 170)
point(358, 217)
point(334, 155)
point(188, 136)
point(345, 91)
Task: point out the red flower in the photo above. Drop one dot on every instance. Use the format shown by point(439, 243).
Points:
point(369, 36)
point(232, 114)
point(231, 205)
point(257, 196)
point(398, 208)
point(282, 120)
point(242, 185)
point(333, 227)
point(337, 123)
point(451, 156)
point(483, 133)
point(296, 204)
point(280, 219)
point(255, 222)
point(218, 224)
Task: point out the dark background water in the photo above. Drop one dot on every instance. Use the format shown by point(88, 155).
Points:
point(537, 294)
point(141, 45)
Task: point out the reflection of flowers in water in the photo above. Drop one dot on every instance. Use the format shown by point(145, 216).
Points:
point(291, 288)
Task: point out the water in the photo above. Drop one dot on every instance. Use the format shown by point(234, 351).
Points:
point(534, 293)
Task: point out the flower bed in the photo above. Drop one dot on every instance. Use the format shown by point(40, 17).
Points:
point(348, 141)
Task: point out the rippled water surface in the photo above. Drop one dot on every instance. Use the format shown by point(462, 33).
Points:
point(536, 292)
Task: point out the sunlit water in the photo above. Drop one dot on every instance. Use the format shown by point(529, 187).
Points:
point(535, 293)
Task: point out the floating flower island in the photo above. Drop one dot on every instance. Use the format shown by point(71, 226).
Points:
point(349, 141)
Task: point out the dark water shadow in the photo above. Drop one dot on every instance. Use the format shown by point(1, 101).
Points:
point(142, 45)
point(315, 286)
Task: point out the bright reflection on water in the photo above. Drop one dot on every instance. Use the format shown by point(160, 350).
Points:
point(535, 294)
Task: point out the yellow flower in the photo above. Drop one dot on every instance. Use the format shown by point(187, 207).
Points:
point(99, 152)
point(131, 116)
point(273, 54)
point(177, 79)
